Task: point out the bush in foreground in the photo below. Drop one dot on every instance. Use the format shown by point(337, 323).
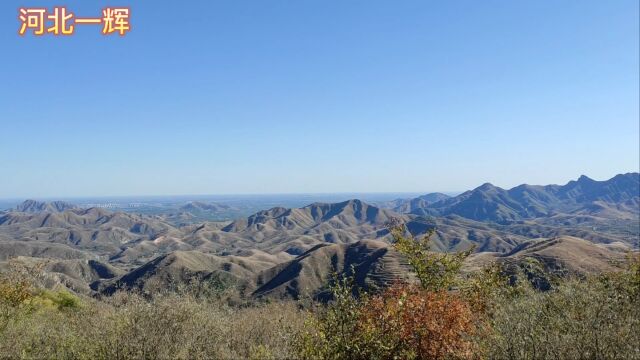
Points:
point(593, 318)
point(129, 326)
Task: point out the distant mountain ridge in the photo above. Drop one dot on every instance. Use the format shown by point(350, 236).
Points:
point(409, 205)
point(342, 215)
point(33, 206)
point(203, 206)
point(491, 203)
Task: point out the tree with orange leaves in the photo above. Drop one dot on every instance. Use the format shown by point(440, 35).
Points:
point(405, 321)
point(410, 322)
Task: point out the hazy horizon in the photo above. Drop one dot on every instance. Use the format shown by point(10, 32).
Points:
point(213, 196)
point(330, 97)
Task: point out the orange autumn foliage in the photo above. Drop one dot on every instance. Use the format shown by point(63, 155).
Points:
point(419, 323)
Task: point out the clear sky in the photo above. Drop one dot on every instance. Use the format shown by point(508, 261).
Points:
point(275, 96)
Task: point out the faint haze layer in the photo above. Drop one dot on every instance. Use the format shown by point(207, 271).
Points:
point(221, 97)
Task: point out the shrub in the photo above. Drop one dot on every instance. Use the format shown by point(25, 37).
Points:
point(14, 293)
point(131, 326)
point(331, 332)
point(435, 271)
point(406, 321)
point(593, 318)
point(60, 299)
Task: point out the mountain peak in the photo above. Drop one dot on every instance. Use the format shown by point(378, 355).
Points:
point(356, 202)
point(585, 179)
point(486, 186)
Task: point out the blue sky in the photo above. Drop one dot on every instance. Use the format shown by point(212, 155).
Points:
point(228, 97)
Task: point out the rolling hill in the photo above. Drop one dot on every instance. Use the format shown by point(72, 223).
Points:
point(375, 264)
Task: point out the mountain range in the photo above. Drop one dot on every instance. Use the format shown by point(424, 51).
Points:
point(291, 252)
point(583, 196)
